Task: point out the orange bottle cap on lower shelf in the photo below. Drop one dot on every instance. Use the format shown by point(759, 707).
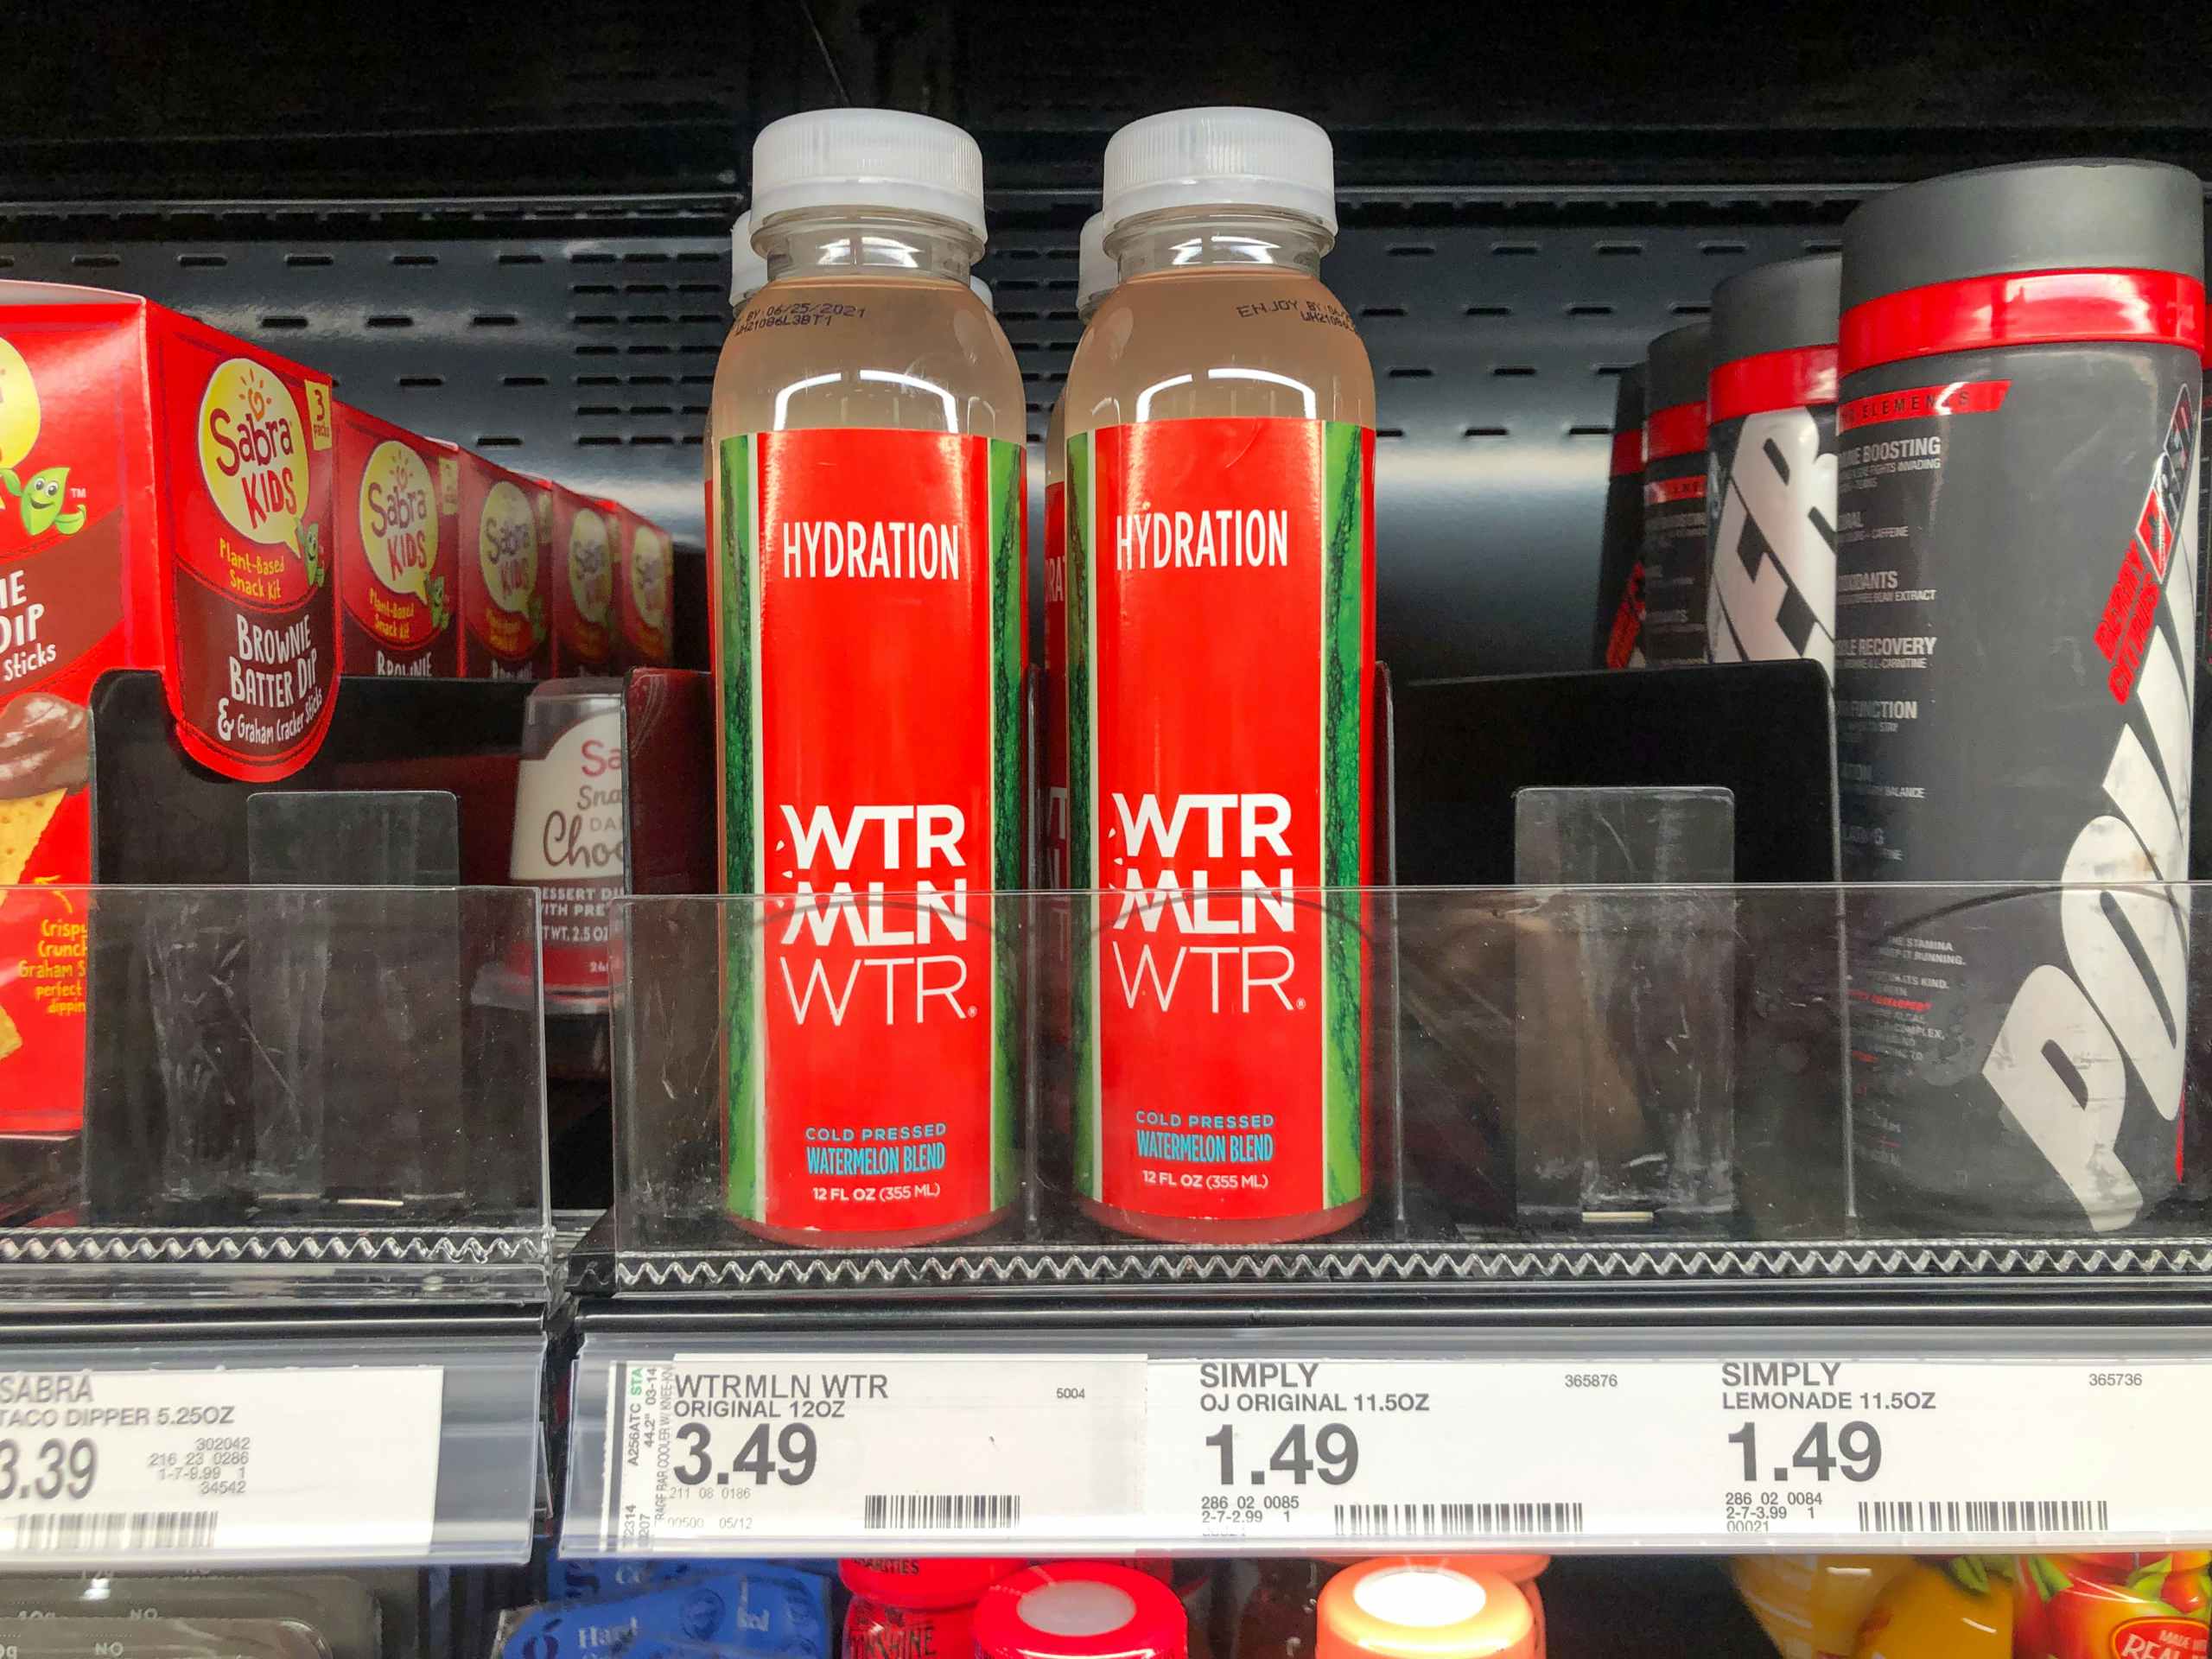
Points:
point(904, 1582)
point(1412, 1610)
point(1081, 1610)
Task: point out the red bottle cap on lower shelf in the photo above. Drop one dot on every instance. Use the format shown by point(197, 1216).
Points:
point(1081, 1610)
point(909, 1583)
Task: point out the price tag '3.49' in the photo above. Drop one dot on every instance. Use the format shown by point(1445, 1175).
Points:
point(826, 1449)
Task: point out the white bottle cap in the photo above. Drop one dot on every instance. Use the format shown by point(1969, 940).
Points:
point(868, 158)
point(1221, 157)
point(748, 272)
point(1095, 272)
point(981, 290)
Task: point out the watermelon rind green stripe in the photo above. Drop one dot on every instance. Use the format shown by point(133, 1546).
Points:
point(1343, 766)
point(1009, 501)
point(741, 852)
point(1082, 861)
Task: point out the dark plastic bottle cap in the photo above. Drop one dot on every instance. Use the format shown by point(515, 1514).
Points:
point(1784, 306)
point(1675, 367)
point(2093, 215)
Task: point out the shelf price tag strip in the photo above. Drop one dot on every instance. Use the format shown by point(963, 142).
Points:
point(996, 1450)
point(100, 1468)
point(999, 1451)
point(1673, 1452)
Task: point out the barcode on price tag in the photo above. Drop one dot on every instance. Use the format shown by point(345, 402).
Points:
point(1906, 1516)
point(737, 1453)
point(155, 1531)
point(1554, 1518)
point(941, 1511)
point(99, 1468)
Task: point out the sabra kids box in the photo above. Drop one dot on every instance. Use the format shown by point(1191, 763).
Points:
point(398, 523)
point(643, 590)
point(584, 624)
point(165, 495)
point(506, 573)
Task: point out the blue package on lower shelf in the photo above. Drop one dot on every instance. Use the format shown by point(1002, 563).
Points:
point(759, 1611)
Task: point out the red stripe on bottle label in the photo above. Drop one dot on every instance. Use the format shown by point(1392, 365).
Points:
point(1675, 431)
point(1918, 403)
point(2024, 308)
point(1801, 378)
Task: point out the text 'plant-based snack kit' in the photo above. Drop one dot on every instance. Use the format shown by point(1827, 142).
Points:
point(1220, 629)
point(867, 543)
point(586, 549)
point(506, 572)
point(166, 501)
point(398, 523)
point(2017, 495)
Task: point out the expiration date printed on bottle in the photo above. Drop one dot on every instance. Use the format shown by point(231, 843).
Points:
point(99, 1467)
point(834, 1446)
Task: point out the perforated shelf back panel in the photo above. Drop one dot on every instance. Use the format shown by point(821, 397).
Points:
point(590, 358)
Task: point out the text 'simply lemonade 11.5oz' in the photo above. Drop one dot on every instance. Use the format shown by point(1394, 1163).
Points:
point(1220, 627)
point(865, 488)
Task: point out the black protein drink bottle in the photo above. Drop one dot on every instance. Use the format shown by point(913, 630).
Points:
point(1673, 497)
point(1770, 435)
point(1616, 638)
point(2016, 579)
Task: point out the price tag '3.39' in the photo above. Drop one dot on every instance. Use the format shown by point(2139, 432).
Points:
point(826, 1449)
point(103, 1468)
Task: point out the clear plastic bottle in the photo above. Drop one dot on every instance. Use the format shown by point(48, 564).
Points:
point(1220, 440)
point(865, 448)
point(748, 272)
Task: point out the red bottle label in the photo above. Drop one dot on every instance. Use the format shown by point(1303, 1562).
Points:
point(869, 634)
point(254, 667)
point(1055, 873)
point(1221, 637)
